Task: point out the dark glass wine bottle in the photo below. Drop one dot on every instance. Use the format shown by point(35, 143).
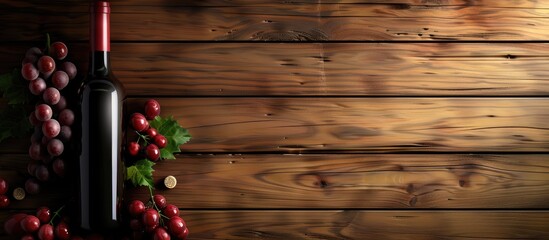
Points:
point(100, 163)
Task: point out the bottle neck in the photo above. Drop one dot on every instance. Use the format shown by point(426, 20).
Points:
point(100, 44)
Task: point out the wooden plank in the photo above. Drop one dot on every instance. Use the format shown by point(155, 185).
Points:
point(354, 181)
point(367, 224)
point(284, 20)
point(297, 125)
point(315, 69)
point(362, 224)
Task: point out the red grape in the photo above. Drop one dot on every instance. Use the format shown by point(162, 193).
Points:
point(32, 186)
point(35, 151)
point(59, 50)
point(62, 104)
point(151, 132)
point(183, 235)
point(27, 237)
point(51, 96)
point(66, 133)
point(43, 214)
point(33, 120)
point(150, 219)
point(58, 167)
point(31, 167)
point(13, 225)
point(4, 201)
point(136, 208)
point(170, 211)
point(46, 64)
point(139, 122)
point(55, 147)
point(60, 79)
point(176, 225)
point(136, 225)
point(51, 128)
point(152, 151)
point(37, 86)
point(3, 186)
point(133, 148)
point(62, 231)
point(33, 51)
point(29, 71)
point(152, 109)
point(161, 234)
point(66, 117)
point(160, 201)
point(160, 141)
point(45, 232)
point(43, 112)
point(70, 69)
point(30, 224)
point(42, 173)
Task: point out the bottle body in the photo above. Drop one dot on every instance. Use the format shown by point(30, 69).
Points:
point(100, 164)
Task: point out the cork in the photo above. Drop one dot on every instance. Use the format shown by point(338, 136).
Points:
point(170, 182)
point(19, 193)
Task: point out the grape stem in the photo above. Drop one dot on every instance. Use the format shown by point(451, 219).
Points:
point(156, 207)
point(141, 136)
point(56, 214)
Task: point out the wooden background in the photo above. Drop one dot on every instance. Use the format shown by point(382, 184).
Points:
point(326, 119)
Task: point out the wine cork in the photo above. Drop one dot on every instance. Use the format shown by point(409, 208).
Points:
point(170, 182)
point(19, 193)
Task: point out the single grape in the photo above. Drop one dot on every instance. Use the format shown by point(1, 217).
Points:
point(65, 134)
point(37, 86)
point(160, 201)
point(45, 232)
point(62, 231)
point(136, 208)
point(183, 235)
point(133, 148)
point(29, 59)
point(152, 109)
point(55, 147)
point(152, 151)
point(62, 104)
point(29, 71)
point(13, 225)
point(33, 51)
point(32, 186)
point(33, 120)
point(51, 128)
point(176, 225)
point(43, 112)
point(43, 214)
point(70, 69)
point(30, 224)
point(66, 117)
point(46, 64)
point(58, 167)
point(46, 76)
point(3, 186)
point(170, 211)
point(31, 167)
point(42, 173)
point(37, 135)
point(135, 224)
point(51, 96)
point(28, 237)
point(161, 234)
point(139, 122)
point(4, 201)
point(150, 219)
point(60, 79)
point(160, 141)
point(152, 132)
point(59, 50)
point(35, 151)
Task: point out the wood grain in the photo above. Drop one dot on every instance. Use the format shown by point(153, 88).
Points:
point(284, 20)
point(294, 125)
point(354, 181)
point(367, 224)
point(320, 69)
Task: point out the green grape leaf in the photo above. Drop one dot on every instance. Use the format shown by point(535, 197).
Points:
point(174, 133)
point(140, 174)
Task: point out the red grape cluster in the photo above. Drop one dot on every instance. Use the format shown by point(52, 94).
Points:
point(4, 200)
point(157, 220)
point(152, 140)
point(48, 74)
point(38, 226)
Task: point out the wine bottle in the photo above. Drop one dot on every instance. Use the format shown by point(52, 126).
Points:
point(100, 163)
